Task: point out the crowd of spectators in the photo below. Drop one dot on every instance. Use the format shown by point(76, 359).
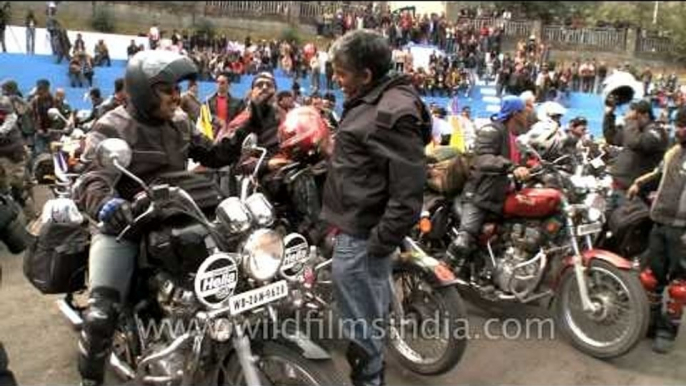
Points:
point(465, 53)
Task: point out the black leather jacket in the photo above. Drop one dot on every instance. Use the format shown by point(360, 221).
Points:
point(376, 178)
point(643, 147)
point(488, 184)
point(158, 148)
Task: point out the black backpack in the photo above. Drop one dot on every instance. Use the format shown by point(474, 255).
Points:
point(630, 225)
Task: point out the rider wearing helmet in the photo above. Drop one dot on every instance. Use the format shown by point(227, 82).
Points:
point(305, 137)
point(162, 139)
point(546, 139)
point(551, 111)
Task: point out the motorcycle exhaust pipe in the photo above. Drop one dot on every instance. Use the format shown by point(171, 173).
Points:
point(71, 315)
point(122, 369)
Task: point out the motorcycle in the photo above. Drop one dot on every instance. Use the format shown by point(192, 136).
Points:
point(71, 144)
point(543, 252)
point(209, 290)
point(422, 286)
point(626, 228)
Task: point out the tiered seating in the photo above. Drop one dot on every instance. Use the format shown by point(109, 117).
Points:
point(25, 70)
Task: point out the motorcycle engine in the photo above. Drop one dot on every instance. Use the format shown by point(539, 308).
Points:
point(523, 241)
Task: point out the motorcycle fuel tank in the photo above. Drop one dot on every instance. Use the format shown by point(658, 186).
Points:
point(532, 203)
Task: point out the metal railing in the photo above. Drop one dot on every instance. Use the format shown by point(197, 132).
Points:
point(609, 39)
point(305, 12)
point(270, 9)
point(654, 44)
point(513, 28)
point(518, 28)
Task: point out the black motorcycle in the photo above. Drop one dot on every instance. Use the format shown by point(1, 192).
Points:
point(423, 287)
point(204, 293)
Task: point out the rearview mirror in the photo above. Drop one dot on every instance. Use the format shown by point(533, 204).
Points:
point(113, 152)
point(250, 142)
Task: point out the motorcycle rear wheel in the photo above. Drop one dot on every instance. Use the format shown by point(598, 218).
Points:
point(622, 300)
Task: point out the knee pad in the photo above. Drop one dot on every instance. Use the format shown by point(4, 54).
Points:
point(99, 324)
point(100, 320)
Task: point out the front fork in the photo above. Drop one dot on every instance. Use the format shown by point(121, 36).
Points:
point(579, 269)
point(241, 344)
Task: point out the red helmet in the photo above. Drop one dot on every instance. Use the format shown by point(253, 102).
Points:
point(303, 132)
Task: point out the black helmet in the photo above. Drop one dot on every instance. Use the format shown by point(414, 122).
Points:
point(148, 68)
point(10, 87)
point(578, 121)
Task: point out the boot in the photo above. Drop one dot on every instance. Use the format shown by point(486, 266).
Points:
point(95, 343)
point(358, 359)
point(460, 249)
point(664, 342)
point(655, 301)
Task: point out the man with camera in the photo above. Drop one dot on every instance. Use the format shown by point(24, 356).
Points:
point(643, 145)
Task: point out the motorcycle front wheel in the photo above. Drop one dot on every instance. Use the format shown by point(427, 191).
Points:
point(430, 337)
point(622, 315)
point(281, 365)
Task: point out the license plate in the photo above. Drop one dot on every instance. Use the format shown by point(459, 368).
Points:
point(258, 297)
point(587, 229)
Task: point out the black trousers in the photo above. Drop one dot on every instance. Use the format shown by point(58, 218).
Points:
point(666, 257)
point(471, 219)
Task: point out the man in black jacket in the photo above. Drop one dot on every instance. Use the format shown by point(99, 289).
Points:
point(643, 146)
point(496, 155)
point(374, 189)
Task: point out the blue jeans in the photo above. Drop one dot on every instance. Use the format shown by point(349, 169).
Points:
point(111, 263)
point(363, 293)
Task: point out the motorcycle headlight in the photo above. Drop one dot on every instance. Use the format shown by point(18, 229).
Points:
point(261, 210)
point(234, 215)
point(594, 215)
point(263, 254)
point(596, 203)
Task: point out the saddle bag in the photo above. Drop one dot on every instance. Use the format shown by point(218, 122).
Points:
point(56, 259)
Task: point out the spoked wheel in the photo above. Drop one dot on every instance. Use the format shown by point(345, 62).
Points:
point(428, 336)
point(281, 365)
point(621, 315)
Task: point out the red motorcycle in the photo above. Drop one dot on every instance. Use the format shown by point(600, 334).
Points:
point(541, 252)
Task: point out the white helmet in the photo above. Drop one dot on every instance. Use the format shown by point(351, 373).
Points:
point(546, 138)
point(548, 110)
